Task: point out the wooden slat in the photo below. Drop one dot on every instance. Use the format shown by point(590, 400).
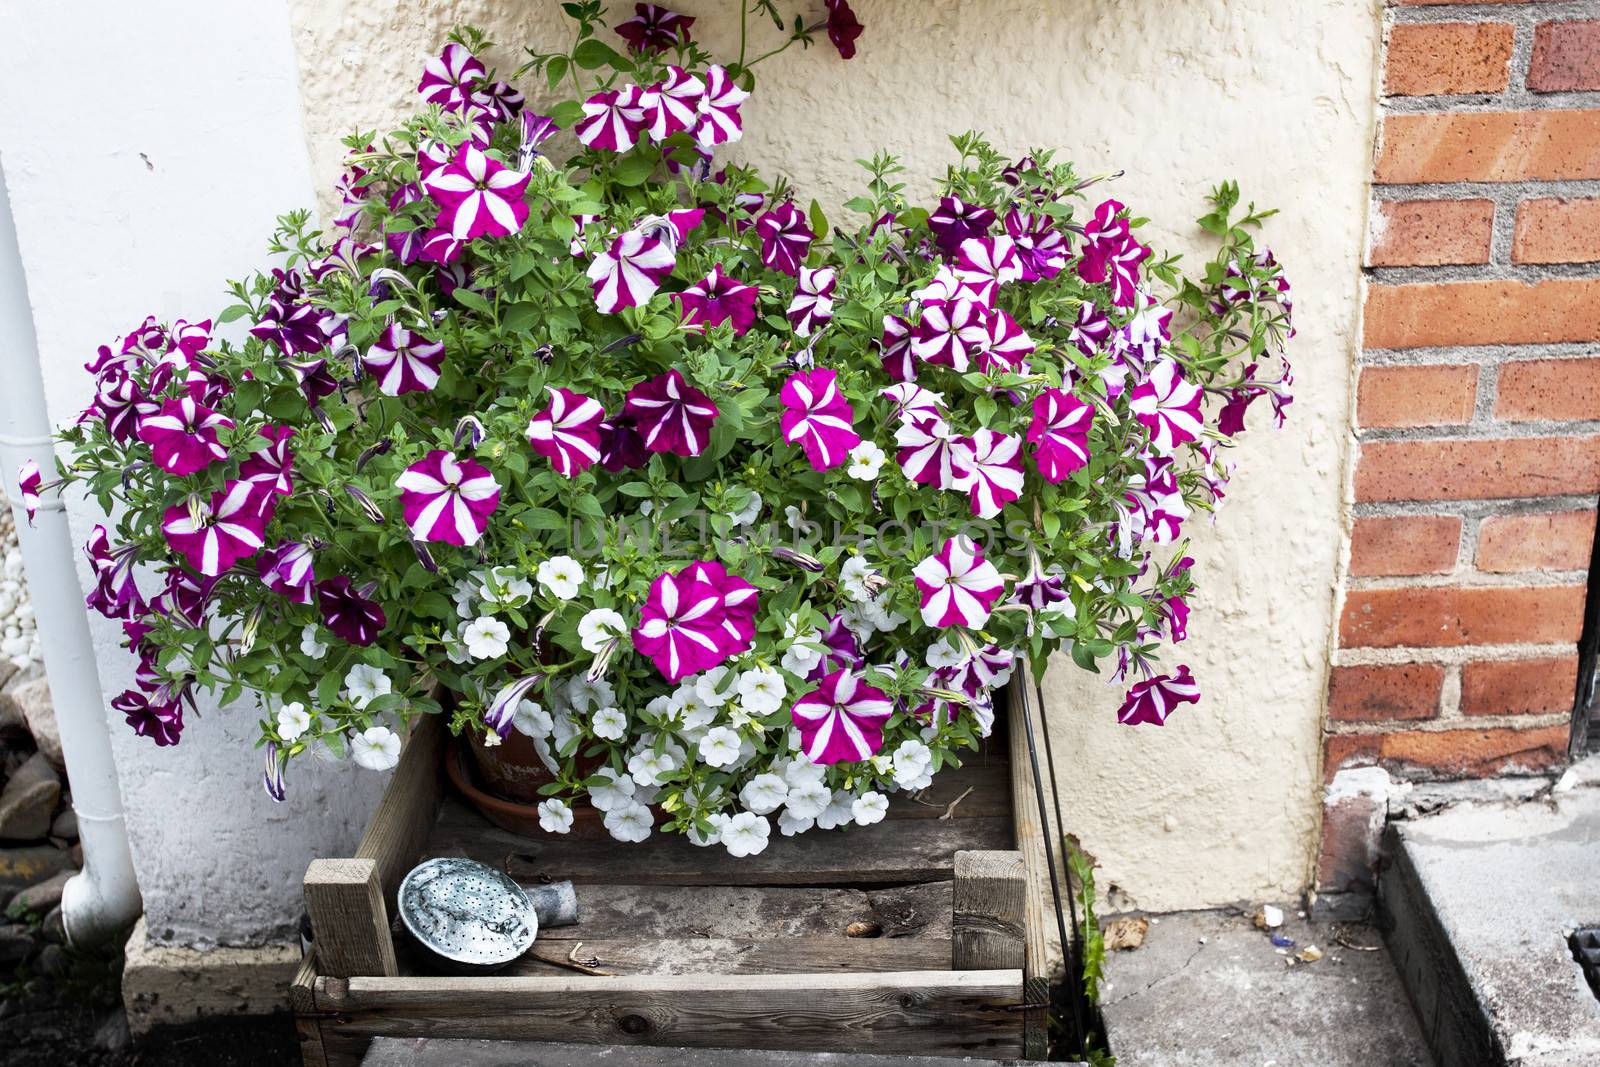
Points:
point(396, 833)
point(982, 783)
point(1043, 960)
point(349, 922)
point(308, 1029)
point(988, 911)
point(726, 955)
point(463, 1052)
point(910, 850)
point(937, 1012)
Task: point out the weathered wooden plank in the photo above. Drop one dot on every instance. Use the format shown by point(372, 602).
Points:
point(349, 922)
point(1043, 960)
point(302, 996)
point(620, 912)
point(935, 1012)
point(720, 955)
point(396, 833)
point(308, 1028)
point(462, 1052)
point(989, 909)
point(909, 850)
point(982, 784)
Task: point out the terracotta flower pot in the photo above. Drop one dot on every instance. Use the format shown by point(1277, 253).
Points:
point(516, 816)
point(511, 770)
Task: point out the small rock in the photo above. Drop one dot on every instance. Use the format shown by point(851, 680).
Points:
point(112, 1034)
point(16, 944)
point(29, 800)
point(22, 867)
point(12, 679)
point(1126, 933)
point(53, 961)
point(54, 927)
point(65, 825)
point(39, 711)
point(41, 898)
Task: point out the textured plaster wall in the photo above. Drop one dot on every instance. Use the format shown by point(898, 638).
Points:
point(1222, 804)
point(144, 172)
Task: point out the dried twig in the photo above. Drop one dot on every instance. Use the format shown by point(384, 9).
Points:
point(586, 966)
point(950, 809)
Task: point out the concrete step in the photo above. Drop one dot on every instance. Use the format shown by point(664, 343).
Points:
point(1477, 902)
point(448, 1052)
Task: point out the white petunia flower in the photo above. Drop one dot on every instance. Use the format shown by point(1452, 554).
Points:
point(465, 592)
point(837, 813)
point(631, 823)
point(695, 711)
point(585, 695)
point(486, 637)
point(764, 794)
point(761, 691)
point(293, 720)
point(376, 748)
point(882, 619)
point(866, 460)
point(649, 767)
point(532, 720)
point(749, 513)
point(561, 576)
point(801, 659)
point(745, 834)
point(853, 579)
point(504, 587)
point(945, 653)
point(870, 807)
point(808, 799)
point(714, 686)
point(609, 723)
point(801, 770)
point(599, 628)
point(455, 649)
point(555, 816)
point(614, 792)
point(364, 684)
point(311, 643)
point(719, 747)
point(913, 763)
point(789, 824)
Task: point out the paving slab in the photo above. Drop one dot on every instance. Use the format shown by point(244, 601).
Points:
point(458, 1052)
point(1479, 900)
point(1208, 989)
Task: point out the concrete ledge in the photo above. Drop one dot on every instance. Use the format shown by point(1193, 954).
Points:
point(166, 985)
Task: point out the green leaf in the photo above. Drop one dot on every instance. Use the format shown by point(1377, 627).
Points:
point(543, 519)
point(819, 221)
point(556, 69)
point(634, 168)
point(467, 298)
point(229, 314)
point(567, 113)
point(595, 53)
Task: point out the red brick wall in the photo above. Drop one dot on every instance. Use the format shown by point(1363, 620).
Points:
point(1478, 400)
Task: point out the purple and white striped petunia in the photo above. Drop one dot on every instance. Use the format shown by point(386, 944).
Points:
point(785, 238)
point(739, 604)
point(653, 28)
point(120, 404)
point(115, 594)
point(439, 246)
point(404, 362)
point(289, 570)
point(930, 452)
point(951, 333)
point(719, 298)
point(183, 436)
point(817, 417)
point(567, 433)
point(501, 713)
point(613, 120)
point(213, 536)
point(719, 109)
point(812, 306)
point(681, 625)
point(536, 130)
point(912, 401)
point(161, 722)
point(1168, 405)
point(273, 466)
point(349, 612)
point(1152, 700)
point(29, 483)
point(630, 272)
point(988, 259)
point(1059, 433)
point(990, 471)
point(672, 415)
point(450, 79)
point(672, 105)
point(621, 447)
point(955, 221)
point(1111, 254)
point(447, 499)
point(842, 719)
point(958, 586)
point(478, 196)
point(1091, 329)
point(1041, 247)
point(899, 362)
point(1008, 345)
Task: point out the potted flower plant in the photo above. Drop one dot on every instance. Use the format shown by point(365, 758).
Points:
point(727, 514)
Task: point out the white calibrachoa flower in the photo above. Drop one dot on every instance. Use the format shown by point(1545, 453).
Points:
point(376, 748)
point(749, 513)
point(853, 575)
point(745, 834)
point(311, 644)
point(600, 627)
point(913, 763)
point(609, 723)
point(790, 824)
point(764, 794)
point(761, 691)
point(486, 637)
point(837, 813)
point(584, 693)
point(293, 720)
point(363, 684)
point(808, 799)
point(555, 816)
point(630, 823)
point(870, 807)
point(614, 790)
point(561, 576)
point(866, 460)
point(719, 747)
point(503, 587)
point(650, 767)
point(531, 720)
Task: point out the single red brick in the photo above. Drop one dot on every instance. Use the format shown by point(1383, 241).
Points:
point(1548, 389)
point(1548, 541)
point(1519, 687)
point(1444, 58)
point(1489, 146)
point(1416, 396)
point(1485, 469)
point(1482, 313)
point(1406, 544)
point(1384, 693)
point(1348, 750)
point(1473, 753)
point(1566, 57)
point(1431, 233)
point(1553, 230)
point(1434, 617)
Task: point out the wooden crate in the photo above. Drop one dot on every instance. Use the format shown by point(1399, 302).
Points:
point(701, 950)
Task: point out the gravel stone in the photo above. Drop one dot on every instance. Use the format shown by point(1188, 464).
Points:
point(28, 803)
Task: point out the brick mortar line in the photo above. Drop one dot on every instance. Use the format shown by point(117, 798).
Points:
point(1516, 14)
point(1472, 510)
point(1482, 354)
point(1504, 271)
point(1441, 725)
point(1500, 192)
point(1470, 578)
point(1449, 655)
point(1526, 101)
point(1521, 430)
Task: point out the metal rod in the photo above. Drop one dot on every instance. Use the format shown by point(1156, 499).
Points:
point(1073, 956)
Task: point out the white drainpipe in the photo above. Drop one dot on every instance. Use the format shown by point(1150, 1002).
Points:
point(103, 899)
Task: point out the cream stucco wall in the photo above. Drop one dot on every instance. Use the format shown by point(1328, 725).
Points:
point(1221, 805)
